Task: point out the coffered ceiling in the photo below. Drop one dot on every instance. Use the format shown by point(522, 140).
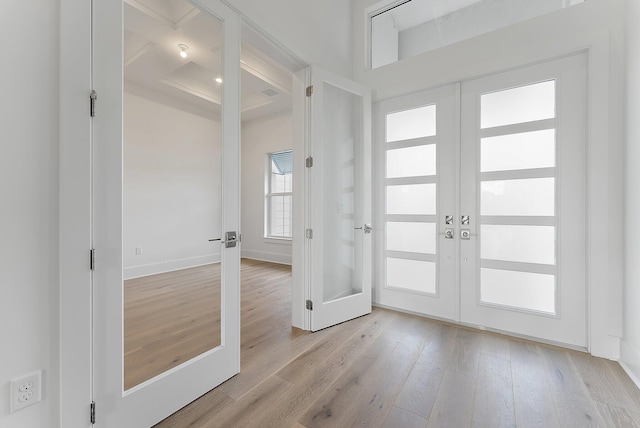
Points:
point(153, 29)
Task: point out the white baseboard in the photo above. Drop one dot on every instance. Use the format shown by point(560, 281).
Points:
point(283, 259)
point(630, 361)
point(169, 266)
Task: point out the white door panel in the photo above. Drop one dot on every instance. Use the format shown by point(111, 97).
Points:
point(340, 201)
point(524, 157)
point(416, 149)
point(154, 399)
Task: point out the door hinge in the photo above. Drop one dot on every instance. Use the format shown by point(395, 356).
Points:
point(309, 162)
point(92, 259)
point(309, 90)
point(309, 233)
point(92, 412)
point(309, 305)
point(92, 107)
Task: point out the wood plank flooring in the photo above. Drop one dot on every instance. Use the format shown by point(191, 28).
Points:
point(389, 369)
point(169, 318)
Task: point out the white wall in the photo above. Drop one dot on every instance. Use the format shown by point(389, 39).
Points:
point(596, 24)
point(259, 137)
point(172, 188)
point(29, 286)
point(631, 339)
point(317, 31)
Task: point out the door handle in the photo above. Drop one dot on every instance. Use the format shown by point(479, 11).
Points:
point(464, 220)
point(366, 228)
point(231, 240)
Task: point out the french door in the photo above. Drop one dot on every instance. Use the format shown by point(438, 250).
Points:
point(339, 211)
point(484, 202)
point(122, 399)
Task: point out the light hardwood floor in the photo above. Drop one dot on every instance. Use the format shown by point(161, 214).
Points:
point(169, 318)
point(389, 369)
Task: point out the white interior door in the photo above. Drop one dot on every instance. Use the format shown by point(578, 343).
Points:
point(151, 400)
point(483, 202)
point(523, 266)
point(339, 211)
point(417, 151)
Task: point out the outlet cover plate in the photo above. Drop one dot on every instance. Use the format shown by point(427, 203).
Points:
point(26, 391)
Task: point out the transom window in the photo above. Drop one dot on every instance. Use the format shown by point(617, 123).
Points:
point(278, 209)
point(407, 28)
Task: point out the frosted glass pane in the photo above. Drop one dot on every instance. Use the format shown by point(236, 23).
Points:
point(530, 197)
point(414, 123)
point(411, 161)
point(412, 275)
point(411, 237)
point(411, 199)
point(524, 290)
point(528, 244)
point(518, 105)
point(341, 142)
point(519, 151)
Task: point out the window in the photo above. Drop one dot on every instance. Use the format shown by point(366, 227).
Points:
point(406, 28)
point(278, 209)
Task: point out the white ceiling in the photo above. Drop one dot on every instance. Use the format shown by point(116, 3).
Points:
point(416, 12)
point(153, 29)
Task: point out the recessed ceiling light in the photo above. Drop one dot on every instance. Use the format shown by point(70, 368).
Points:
point(183, 50)
point(218, 79)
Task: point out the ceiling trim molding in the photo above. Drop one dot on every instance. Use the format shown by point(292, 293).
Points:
point(191, 91)
point(188, 17)
point(152, 13)
point(146, 48)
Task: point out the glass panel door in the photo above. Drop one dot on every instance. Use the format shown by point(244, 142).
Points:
point(523, 171)
point(163, 200)
point(487, 227)
point(416, 150)
point(340, 202)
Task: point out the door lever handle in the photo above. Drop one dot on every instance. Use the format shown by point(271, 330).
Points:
point(217, 239)
point(366, 228)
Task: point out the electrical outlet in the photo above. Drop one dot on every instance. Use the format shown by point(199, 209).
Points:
point(26, 390)
point(138, 251)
